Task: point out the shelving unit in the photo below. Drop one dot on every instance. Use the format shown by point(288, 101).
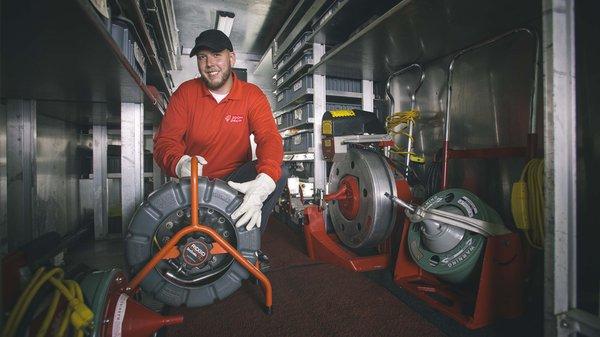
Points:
point(303, 96)
point(88, 67)
point(66, 61)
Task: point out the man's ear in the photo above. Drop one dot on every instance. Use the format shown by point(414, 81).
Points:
point(232, 58)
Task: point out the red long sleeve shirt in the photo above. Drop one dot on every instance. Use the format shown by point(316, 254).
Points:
point(195, 124)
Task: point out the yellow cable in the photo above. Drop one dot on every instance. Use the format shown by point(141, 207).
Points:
point(527, 202)
point(64, 324)
point(20, 311)
point(80, 315)
point(399, 118)
point(50, 312)
point(22, 298)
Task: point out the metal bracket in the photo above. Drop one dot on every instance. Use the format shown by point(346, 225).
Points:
point(580, 321)
point(419, 213)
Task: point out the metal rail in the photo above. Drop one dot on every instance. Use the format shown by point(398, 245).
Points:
point(534, 92)
point(413, 100)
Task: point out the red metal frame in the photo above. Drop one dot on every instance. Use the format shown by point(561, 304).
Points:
point(527, 151)
point(498, 292)
point(326, 247)
point(220, 246)
point(323, 246)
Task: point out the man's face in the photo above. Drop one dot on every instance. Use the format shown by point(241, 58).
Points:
point(215, 67)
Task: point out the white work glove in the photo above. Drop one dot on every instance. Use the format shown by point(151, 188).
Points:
point(256, 192)
point(184, 166)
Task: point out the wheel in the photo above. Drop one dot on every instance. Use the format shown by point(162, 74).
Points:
point(195, 277)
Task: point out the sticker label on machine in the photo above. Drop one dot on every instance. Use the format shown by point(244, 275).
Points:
point(117, 326)
point(342, 113)
point(468, 205)
point(461, 255)
point(327, 128)
point(298, 114)
point(297, 139)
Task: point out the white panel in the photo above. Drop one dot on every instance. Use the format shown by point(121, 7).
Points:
point(367, 95)
point(158, 175)
point(319, 110)
point(560, 163)
point(132, 159)
point(99, 169)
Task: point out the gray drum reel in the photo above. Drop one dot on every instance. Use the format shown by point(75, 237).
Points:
point(374, 218)
point(195, 278)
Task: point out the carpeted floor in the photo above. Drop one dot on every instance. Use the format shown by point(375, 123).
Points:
point(309, 299)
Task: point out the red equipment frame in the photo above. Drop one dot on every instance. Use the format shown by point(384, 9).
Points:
point(497, 294)
point(326, 247)
point(220, 246)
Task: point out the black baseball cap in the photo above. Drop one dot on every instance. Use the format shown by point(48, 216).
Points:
point(213, 40)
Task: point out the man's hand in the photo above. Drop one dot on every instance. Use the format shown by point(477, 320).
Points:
point(256, 192)
point(184, 166)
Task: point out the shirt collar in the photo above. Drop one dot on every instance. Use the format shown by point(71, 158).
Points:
point(234, 93)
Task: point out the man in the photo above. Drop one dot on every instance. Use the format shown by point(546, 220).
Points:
point(212, 118)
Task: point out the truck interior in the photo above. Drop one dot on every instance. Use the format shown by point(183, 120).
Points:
point(438, 162)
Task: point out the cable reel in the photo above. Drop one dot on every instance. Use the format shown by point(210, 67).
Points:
point(447, 251)
point(196, 273)
point(360, 213)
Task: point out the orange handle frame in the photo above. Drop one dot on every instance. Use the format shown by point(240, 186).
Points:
point(196, 227)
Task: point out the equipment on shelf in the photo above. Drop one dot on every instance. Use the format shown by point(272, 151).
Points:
point(457, 256)
point(182, 262)
point(360, 215)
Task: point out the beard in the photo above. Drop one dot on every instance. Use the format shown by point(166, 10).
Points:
point(216, 83)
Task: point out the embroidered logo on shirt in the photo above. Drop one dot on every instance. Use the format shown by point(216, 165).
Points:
point(234, 119)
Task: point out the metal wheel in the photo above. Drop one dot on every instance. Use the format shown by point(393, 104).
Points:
point(367, 217)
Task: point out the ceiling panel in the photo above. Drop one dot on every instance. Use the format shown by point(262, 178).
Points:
point(256, 22)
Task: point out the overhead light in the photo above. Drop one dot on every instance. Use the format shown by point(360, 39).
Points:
point(225, 21)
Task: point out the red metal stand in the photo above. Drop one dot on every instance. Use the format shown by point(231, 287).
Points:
point(326, 247)
point(498, 293)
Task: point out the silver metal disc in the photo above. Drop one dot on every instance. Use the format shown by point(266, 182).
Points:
point(377, 215)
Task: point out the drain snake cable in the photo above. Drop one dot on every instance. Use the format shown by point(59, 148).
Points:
point(80, 316)
point(527, 203)
point(399, 118)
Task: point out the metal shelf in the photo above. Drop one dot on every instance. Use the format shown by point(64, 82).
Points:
point(62, 52)
point(299, 157)
point(284, 42)
point(331, 95)
point(296, 126)
point(404, 34)
point(300, 152)
point(150, 46)
point(345, 18)
point(296, 74)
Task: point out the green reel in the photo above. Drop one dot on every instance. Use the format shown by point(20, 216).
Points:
point(449, 252)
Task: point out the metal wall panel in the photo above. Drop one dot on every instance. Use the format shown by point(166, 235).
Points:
point(21, 171)
point(3, 195)
point(490, 107)
point(57, 175)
